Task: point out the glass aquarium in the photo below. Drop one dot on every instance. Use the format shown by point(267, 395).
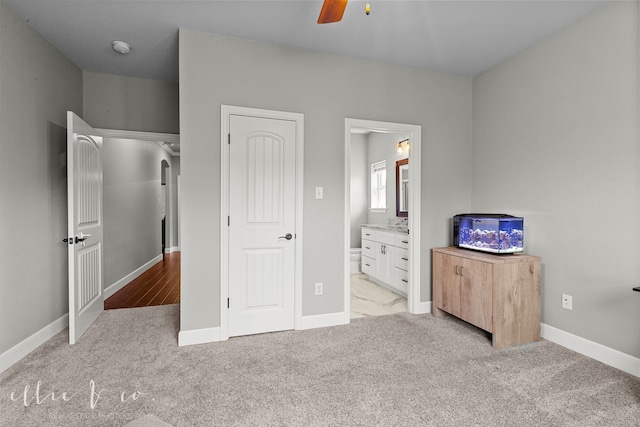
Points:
point(495, 233)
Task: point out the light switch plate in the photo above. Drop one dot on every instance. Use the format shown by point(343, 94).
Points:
point(319, 192)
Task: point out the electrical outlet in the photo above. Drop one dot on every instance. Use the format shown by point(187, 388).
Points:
point(567, 302)
point(318, 288)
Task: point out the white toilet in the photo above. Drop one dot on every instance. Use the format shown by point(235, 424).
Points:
point(355, 258)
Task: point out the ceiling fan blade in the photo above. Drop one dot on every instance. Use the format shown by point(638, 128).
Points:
point(332, 11)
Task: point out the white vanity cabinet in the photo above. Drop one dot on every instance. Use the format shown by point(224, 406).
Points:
point(385, 258)
point(401, 276)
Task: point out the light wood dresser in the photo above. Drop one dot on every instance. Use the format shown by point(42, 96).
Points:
point(497, 293)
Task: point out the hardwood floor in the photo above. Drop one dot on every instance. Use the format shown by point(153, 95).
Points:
point(157, 286)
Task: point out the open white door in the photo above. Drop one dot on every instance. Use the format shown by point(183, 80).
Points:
point(84, 195)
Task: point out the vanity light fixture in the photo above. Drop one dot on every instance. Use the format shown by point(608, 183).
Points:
point(403, 147)
point(367, 8)
point(121, 47)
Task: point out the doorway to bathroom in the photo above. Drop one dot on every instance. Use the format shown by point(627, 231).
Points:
point(389, 269)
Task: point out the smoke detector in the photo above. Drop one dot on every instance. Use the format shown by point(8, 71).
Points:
point(121, 47)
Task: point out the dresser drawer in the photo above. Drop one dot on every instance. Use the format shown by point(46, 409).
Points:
point(402, 258)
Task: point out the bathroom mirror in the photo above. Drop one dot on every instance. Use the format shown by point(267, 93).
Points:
point(402, 188)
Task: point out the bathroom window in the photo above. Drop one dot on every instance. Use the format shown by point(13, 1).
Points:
point(379, 186)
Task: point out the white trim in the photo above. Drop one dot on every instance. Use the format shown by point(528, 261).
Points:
point(225, 112)
point(163, 139)
point(115, 287)
point(375, 169)
point(599, 352)
point(322, 320)
point(424, 307)
point(172, 249)
point(414, 305)
point(198, 336)
point(26, 346)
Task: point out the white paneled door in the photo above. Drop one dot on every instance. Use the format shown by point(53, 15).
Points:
point(262, 155)
point(84, 195)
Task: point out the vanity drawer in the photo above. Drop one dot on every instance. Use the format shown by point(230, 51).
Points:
point(402, 258)
point(402, 280)
point(368, 265)
point(368, 248)
point(402, 240)
point(368, 233)
point(385, 237)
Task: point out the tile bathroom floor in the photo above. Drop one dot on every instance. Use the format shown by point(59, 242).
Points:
point(370, 299)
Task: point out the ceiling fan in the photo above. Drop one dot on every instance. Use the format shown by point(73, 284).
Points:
point(332, 11)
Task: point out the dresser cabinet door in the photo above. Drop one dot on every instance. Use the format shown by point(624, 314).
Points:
point(476, 293)
point(447, 280)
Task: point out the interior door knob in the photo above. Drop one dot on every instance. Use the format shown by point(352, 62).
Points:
point(82, 238)
point(287, 236)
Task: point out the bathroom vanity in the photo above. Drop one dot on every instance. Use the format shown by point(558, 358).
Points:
point(385, 256)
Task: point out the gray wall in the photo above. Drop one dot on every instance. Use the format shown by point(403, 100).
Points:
point(132, 231)
point(128, 103)
point(555, 139)
point(217, 70)
point(37, 86)
point(382, 146)
point(132, 168)
point(175, 172)
point(359, 201)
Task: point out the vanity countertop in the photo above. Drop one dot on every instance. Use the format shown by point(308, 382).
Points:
point(403, 229)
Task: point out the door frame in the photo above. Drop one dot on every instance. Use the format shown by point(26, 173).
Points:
point(414, 305)
point(225, 113)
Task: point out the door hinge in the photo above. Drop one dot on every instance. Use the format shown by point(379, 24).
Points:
point(227, 302)
point(229, 138)
point(228, 221)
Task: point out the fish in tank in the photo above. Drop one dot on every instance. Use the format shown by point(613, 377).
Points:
point(495, 233)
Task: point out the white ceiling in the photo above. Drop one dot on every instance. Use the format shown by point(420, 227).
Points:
point(463, 37)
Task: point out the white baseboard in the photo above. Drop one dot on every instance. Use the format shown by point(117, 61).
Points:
point(423, 307)
point(172, 249)
point(112, 289)
point(599, 352)
point(199, 336)
point(20, 350)
point(322, 320)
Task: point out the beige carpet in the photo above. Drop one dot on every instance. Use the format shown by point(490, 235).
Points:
point(394, 370)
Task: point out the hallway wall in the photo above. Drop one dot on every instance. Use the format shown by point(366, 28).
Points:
point(129, 103)
point(132, 231)
point(37, 86)
point(142, 105)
